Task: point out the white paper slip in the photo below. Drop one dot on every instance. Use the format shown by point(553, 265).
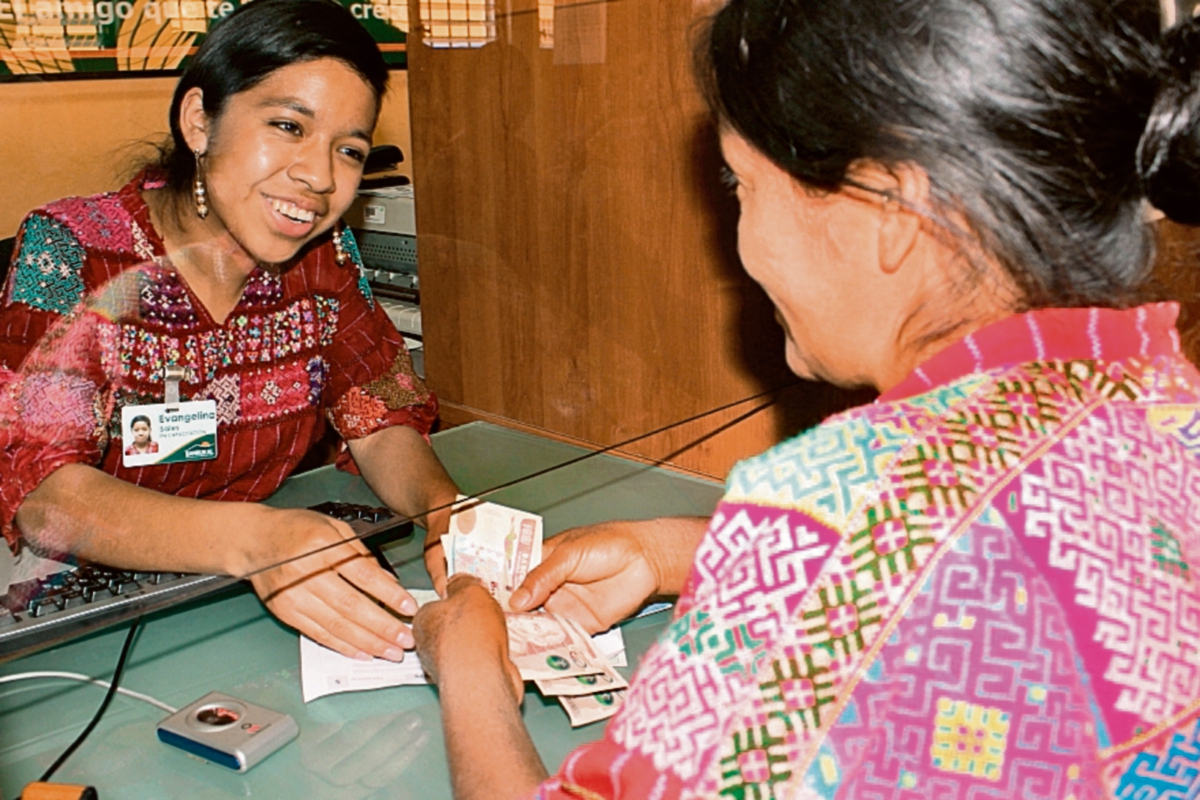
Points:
point(324, 671)
point(611, 645)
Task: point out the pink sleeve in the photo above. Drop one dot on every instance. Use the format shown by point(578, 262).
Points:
point(53, 411)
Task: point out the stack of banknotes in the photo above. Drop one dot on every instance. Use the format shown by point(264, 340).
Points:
point(500, 545)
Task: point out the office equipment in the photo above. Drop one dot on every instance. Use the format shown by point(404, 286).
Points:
point(382, 158)
point(384, 743)
point(385, 225)
point(65, 599)
point(227, 731)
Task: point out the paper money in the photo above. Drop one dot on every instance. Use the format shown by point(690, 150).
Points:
point(500, 546)
point(496, 544)
point(607, 681)
point(593, 707)
point(547, 646)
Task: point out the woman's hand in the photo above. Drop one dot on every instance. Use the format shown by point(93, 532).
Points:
point(463, 644)
point(340, 598)
point(600, 574)
point(465, 633)
point(402, 469)
point(435, 553)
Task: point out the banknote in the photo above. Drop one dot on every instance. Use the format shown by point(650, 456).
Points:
point(592, 707)
point(607, 681)
point(548, 646)
point(496, 544)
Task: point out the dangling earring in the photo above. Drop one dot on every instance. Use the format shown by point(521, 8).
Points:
point(340, 254)
point(198, 190)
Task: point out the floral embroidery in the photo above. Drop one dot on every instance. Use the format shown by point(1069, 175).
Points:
point(226, 390)
point(400, 387)
point(357, 414)
point(48, 266)
point(99, 222)
point(274, 392)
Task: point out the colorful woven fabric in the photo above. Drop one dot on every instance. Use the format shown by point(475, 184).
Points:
point(92, 315)
point(982, 585)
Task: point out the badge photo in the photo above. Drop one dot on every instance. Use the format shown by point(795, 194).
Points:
point(169, 433)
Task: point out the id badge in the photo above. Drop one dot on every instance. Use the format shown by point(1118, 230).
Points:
point(169, 433)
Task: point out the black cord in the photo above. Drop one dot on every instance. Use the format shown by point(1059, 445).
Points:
point(112, 690)
point(592, 454)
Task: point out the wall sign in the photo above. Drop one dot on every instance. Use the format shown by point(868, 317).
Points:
point(122, 38)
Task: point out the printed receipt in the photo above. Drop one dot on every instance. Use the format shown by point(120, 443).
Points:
point(325, 672)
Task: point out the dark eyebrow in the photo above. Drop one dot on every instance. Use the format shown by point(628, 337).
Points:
point(292, 104)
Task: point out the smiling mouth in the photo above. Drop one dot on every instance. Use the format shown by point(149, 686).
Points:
point(293, 211)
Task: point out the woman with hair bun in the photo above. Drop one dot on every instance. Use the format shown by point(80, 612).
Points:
point(983, 584)
point(221, 278)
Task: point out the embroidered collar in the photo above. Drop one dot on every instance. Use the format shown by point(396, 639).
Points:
point(1051, 334)
point(263, 288)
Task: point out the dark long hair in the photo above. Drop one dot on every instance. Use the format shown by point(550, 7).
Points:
point(254, 41)
point(1027, 115)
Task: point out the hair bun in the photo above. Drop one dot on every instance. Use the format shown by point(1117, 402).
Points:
point(1168, 157)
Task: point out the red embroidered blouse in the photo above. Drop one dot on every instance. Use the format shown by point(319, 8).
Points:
point(92, 314)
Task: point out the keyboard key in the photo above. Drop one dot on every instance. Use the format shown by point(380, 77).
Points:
point(95, 593)
point(41, 606)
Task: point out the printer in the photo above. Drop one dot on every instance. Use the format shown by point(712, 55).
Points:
point(384, 222)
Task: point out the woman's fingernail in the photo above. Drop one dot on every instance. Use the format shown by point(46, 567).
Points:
point(393, 654)
point(405, 639)
point(408, 607)
point(361, 656)
point(519, 598)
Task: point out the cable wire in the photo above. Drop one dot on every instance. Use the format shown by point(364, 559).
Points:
point(108, 696)
point(79, 676)
point(569, 462)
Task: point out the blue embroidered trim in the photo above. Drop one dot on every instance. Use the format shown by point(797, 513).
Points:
point(351, 247)
point(48, 266)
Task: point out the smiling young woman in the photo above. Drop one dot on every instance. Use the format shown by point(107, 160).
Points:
point(280, 165)
point(222, 264)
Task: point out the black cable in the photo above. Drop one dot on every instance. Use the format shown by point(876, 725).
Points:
point(112, 691)
point(538, 473)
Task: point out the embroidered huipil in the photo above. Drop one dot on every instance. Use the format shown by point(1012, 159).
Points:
point(982, 585)
point(92, 315)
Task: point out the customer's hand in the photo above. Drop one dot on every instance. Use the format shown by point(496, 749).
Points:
point(339, 597)
point(467, 633)
point(596, 575)
point(435, 553)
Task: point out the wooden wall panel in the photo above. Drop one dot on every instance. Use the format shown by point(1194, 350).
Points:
point(578, 265)
point(578, 270)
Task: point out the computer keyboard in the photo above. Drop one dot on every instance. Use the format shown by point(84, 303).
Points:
point(83, 598)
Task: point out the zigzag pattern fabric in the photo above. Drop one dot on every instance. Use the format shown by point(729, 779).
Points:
point(982, 585)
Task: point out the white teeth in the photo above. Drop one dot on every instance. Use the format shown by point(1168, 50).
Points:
point(292, 211)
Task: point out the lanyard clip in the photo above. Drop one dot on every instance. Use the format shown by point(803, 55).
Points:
point(173, 374)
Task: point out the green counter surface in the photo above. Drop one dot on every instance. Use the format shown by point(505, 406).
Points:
point(375, 744)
